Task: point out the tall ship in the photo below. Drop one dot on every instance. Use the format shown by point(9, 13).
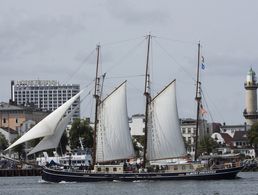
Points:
point(113, 147)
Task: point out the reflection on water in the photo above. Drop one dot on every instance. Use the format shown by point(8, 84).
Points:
point(246, 184)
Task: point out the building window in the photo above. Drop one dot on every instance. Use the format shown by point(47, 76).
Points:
point(17, 120)
point(4, 120)
point(114, 169)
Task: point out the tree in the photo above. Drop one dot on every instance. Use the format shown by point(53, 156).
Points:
point(138, 142)
point(3, 142)
point(252, 135)
point(206, 145)
point(81, 129)
point(19, 149)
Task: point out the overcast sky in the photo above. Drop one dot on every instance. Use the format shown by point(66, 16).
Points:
point(55, 39)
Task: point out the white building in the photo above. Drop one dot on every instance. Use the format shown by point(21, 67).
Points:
point(188, 129)
point(137, 124)
point(233, 139)
point(44, 94)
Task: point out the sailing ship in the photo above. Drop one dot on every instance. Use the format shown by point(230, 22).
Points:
point(113, 146)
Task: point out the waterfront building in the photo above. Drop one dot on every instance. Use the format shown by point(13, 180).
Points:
point(46, 95)
point(233, 139)
point(13, 116)
point(250, 112)
point(188, 129)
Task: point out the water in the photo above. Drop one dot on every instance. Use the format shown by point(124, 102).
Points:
point(247, 184)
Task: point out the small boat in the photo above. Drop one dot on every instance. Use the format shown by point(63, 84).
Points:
point(113, 146)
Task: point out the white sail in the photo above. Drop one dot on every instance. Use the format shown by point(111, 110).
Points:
point(113, 136)
point(52, 141)
point(164, 135)
point(46, 126)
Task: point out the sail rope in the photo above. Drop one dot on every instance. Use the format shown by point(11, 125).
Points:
point(121, 41)
point(174, 60)
point(130, 51)
point(213, 105)
point(126, 76)
point(176, 40)
point(82, 63)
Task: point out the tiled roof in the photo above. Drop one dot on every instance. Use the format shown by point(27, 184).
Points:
point(227, 138)
point(240, 136)
point(5, 106)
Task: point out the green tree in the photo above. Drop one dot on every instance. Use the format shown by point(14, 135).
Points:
point(3, 142)
point(81, 129)
point(138, 142)
point(252, 135)
point(19, 149)
point(206, 145)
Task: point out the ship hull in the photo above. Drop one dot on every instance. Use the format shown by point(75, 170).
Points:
point(57, 176)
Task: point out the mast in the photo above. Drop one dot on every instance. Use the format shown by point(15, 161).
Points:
point(148, 98)
point(97, 97)
point(198, 100)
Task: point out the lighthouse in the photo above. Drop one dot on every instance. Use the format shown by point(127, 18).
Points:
point(250, 112)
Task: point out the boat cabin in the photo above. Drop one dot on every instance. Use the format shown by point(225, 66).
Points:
point(108, 169)
point(177, 168)
point(222, 161)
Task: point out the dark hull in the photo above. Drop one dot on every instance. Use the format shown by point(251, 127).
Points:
point(51, 175)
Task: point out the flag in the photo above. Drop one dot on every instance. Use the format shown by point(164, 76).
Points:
point(202, 110)
point(203, 65)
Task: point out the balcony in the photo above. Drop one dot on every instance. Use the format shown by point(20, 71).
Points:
point(250, 115)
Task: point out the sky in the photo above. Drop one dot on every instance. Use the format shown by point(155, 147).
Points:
point(56, 40)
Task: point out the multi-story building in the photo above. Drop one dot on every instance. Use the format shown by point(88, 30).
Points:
point(14, 117)
point(188, 129)
point(44, 94)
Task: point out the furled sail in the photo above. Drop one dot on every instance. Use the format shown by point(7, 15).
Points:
point(164, 135)
point(113, 136)
point(48, 125)
point(52, 141)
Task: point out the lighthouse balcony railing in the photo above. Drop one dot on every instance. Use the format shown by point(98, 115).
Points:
point(246, 114)
point(253, 85)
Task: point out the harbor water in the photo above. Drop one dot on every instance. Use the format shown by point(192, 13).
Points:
point(246, 184)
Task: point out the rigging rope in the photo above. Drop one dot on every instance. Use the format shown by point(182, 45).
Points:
point(124, 56)
point(70, 76)
point(169, 55)
point(122, 41)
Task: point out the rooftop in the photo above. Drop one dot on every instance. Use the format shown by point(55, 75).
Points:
point(8, 107)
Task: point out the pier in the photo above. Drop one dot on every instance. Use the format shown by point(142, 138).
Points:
point(20, 172)
point(21, 168)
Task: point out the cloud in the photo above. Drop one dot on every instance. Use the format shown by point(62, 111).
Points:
point(132, 12)
point(21, 35)
point(230, 65)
